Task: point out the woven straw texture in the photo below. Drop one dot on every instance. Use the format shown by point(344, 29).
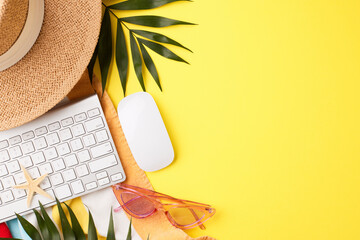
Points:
point(54, 64)
point(13, 14)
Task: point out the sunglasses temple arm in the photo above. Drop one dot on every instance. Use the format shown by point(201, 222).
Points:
point(202, 227)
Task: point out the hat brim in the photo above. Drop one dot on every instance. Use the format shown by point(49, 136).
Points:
point(53, 65)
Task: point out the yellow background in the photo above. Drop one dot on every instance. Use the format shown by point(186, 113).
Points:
point(265, 120)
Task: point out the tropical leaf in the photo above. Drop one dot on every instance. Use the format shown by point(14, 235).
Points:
point(129, 232)
point(43, 229)
point(122, 57)
point(137, 62)
point(141, 4)
point(29, 229)
point(92, 233)
point(76, 227)
point(54, 232)
point(111, 231)
point(157, 37)
point(161, 50)
point(154, 21)
point(92, 62)
point(65, 225)
point(150, 65)
point(105, 48)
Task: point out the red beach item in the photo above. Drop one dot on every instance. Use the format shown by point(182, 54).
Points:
point(4, 231)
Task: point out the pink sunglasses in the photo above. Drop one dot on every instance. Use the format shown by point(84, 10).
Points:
point(141, 203)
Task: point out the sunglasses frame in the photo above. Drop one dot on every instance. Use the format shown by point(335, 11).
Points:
point(155, 198)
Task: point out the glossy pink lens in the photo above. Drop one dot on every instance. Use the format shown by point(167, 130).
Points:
point(137, 205)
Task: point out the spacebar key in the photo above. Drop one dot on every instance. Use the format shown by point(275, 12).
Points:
point(8, 211)
point(102, 163)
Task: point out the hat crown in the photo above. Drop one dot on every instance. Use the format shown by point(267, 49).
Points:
point(13, 15)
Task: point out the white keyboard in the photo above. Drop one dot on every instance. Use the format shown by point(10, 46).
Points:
point(72, 144)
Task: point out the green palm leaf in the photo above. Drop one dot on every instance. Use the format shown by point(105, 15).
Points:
point(111, 231)
point(65, 225)
point(92, 233)
point(129, 232)
point(105, 48)
point(122, 58)
point(41, 222)
point(137, 62)
point(141, 4)
point(29, 229)
point(157, 37)
point(161, 50)
point(54, 232)
point(154, 21)
point(76, 227)
point(150, 65)
point(92, 62)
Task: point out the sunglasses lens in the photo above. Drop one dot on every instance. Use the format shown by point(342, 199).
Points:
point(138, 205)
point(185, 216)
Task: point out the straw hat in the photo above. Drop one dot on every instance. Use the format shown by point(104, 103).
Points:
point(45, 46)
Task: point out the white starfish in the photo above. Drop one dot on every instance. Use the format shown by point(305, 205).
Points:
point(32, 186)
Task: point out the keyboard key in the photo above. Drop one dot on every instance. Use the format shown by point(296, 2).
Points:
point(8, 182)
point(103, 181)
point(4, 156)
point(101, 136)
point(91, 185)
point(54, 126)
point(83, 156)
point(58, 165)
point(63, 192)
point(116, 177)
point(93, 112)
point(78, 130)
point(28, 135)
point(50, 153)
point(41, 131)
point(34, 173)
point(19, 178)
point(56, 179)
point(101, 175)
point(38, 157)
point(103, 163)
point(46, 169)
point(82, 170)
point(63, 149)
point(20, 206)
point(27, 147)
point(65, 134)
point(3, 170)
point(67, 122)
point(4, 144)
point(26, 161)
point(71, 160)
point(13, 166)
point(19, 193)
point(15, 140)
point(80, 117)
point(40, 143)
point(77, 187)
point(45, 184)
point(53, 138)
point(94, 124)
point(7, 196)
point(15, 152)
point(69, 175)
point(89, 140)
point(101, 150)
point(76, 144)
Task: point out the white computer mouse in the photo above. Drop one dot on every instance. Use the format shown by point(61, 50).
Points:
point(145, 132)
